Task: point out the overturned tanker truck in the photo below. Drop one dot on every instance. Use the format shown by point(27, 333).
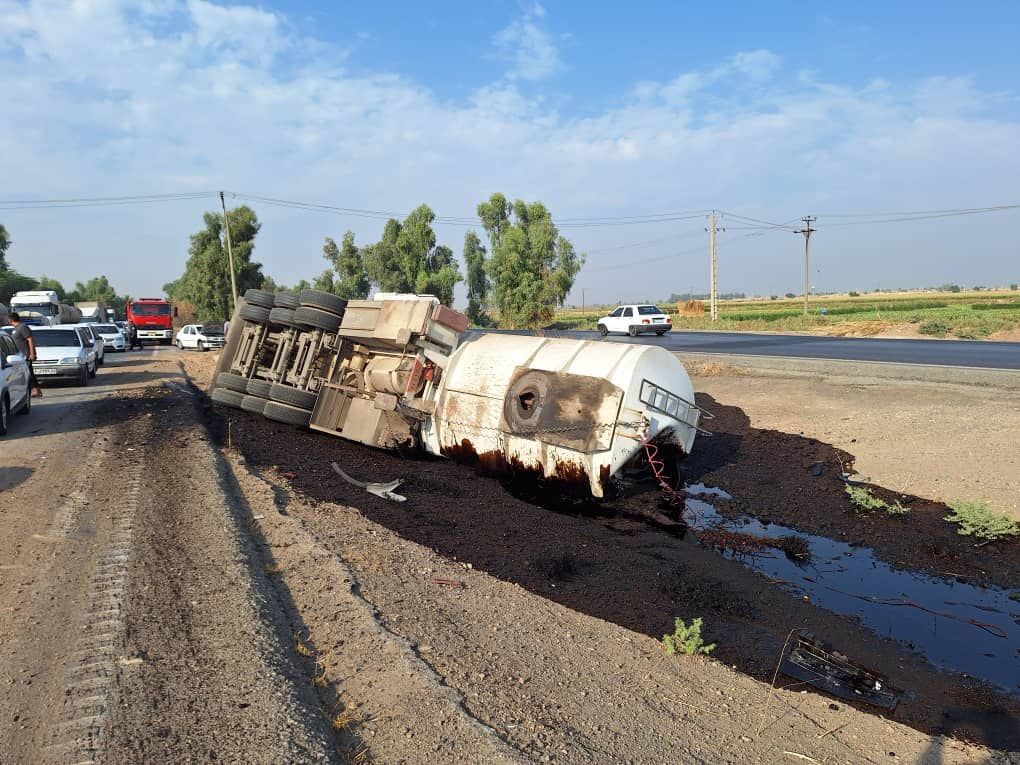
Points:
point(403, 371)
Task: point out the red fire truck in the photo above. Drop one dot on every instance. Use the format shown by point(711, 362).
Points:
point(153, 319)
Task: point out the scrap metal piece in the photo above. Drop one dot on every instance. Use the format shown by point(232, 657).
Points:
point(820, 665)
point(384, 490)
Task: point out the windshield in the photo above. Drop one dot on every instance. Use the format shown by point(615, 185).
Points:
point(210, 331)
point(56, 338)
point(150, 309)
point(106, 329)
point(647, 310)
point(43, 309)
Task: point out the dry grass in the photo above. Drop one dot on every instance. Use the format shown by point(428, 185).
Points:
point(355, 755)
point(345, 719)
point(691, 308)
point(301, 647)
point(713, 369)
point(272, 568)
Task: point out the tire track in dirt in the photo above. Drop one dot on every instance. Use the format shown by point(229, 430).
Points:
point(90, 674)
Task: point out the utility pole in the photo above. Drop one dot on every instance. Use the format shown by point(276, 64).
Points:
point(583, 315)
point(230, 252)
point(806, 231)
point(713, 286)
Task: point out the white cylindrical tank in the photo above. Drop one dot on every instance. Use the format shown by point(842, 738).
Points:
point(572, 410)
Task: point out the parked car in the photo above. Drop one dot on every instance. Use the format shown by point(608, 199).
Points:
point(15, 394)
point(635, 319)
point(200, 337)
point(112, 336)
point(65, 351)
point(97, 341)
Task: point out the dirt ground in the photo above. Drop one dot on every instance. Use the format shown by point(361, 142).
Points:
point(529, 628)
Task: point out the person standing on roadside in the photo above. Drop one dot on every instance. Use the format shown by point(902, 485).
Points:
point(22, 335)
point(133, 338)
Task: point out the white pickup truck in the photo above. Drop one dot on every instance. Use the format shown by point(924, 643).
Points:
point(635, 319)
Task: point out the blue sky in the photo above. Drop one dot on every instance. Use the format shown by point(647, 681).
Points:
point(768, 110)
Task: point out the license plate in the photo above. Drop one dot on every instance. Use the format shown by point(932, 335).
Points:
point(45, 371)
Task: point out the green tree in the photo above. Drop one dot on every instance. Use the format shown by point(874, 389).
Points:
point(206, 279)
point(5, 242)
point(11, 281)
point(532, 267)
point(347, 277)
point(407, 258)
point(477, 280)
point(46, 283)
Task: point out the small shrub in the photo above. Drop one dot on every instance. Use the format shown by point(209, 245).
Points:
point(863, 498)
point(1014, 287)
point(866, 501)
point(790, 295)
point(975, 519)
point(686, 640)
point(936, 327)
point(854, 294)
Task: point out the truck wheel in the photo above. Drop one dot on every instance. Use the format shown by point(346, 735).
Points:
point(5, 414)
point(258, 388)
point(95, 369)
point(233, 382)
point(286, 300)
point(201, 346)
point(255, 313)
point(602, 330)
point(83, 376)
point(289, 415)
point(180, 345)
point(282, 316)
point(324, 301)
point(283, 394)
point(632, 331)
point(227, 397)
point(253, 404)
point(317, 318)
point(259, 298)
point(27, 406)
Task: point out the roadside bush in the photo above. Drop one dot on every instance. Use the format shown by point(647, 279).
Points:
point(854, 294)
point(866, 501)
point(686, 640)
point(975, 519)
point(935, 327)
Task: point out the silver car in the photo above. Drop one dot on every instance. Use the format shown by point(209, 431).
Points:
point(97, 340)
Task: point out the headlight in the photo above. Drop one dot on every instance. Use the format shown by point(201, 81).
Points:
point(70, 360)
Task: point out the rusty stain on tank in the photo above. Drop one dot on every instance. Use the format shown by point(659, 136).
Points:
point(569, 477)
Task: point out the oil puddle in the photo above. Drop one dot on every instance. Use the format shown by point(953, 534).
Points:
point(958, 627)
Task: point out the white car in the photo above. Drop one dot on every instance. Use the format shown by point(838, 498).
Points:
point(64, 351)
point(15, 395)
point(112, 336)
point(97, 340)
point(635, 319)
point(200, 337)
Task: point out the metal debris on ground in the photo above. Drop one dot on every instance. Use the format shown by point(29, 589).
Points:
point(448, 582)
point(384, 490)
point(820, 665)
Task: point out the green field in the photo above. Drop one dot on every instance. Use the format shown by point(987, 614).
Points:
point(968, 315)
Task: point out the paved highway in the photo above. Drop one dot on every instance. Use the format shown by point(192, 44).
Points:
point(979, 354)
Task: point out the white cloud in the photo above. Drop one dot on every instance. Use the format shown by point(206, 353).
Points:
point(105, 98)
point(528, 47)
